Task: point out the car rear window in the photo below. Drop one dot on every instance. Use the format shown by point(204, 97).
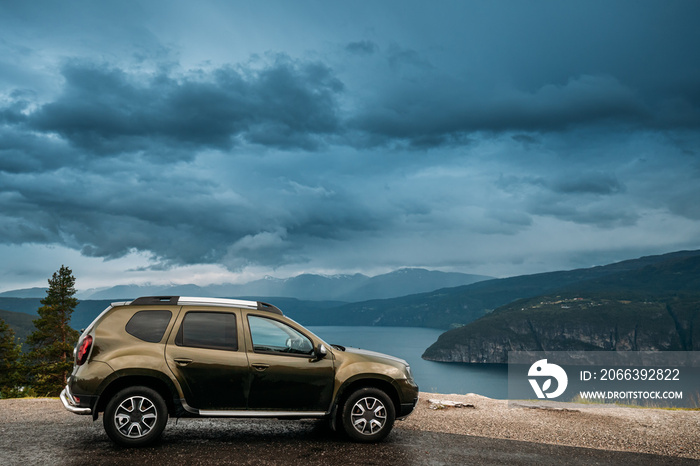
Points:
point(149, 325)
point(212, 330)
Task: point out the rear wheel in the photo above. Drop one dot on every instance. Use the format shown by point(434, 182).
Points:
point(368, 415)
point(135, 416)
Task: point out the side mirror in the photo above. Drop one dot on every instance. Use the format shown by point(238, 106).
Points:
point(320, 351)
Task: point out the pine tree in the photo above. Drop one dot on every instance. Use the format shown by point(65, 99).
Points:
point(10, 378)
point(50, 358)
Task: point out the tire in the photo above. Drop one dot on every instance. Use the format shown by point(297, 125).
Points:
point(135, 416)
point(368, 415)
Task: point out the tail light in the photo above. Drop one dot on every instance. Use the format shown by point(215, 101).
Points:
point(83, 350)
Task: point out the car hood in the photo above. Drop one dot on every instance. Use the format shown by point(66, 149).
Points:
point(375, 355)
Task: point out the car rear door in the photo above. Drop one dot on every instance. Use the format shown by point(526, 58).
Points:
point(206, 353)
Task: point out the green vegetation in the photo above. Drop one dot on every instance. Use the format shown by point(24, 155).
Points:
point(10, 378)
point(20, 322)
point(51, 345)
point(44, 368)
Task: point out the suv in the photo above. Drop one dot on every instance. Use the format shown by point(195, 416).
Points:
point(144, 360)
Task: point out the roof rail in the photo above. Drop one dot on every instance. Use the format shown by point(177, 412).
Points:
point(269, 307)
point(194, 301)
point(171, 300)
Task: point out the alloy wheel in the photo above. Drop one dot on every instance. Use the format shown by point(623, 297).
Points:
point(135, 417)
point(368, 415)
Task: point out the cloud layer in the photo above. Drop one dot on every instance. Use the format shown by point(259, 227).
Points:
point(352, 149)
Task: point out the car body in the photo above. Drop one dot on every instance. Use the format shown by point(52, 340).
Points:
point(141, 361)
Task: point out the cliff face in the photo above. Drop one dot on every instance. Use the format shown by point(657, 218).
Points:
point(560, 323)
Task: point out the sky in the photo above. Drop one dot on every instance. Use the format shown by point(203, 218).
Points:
point(223, 141)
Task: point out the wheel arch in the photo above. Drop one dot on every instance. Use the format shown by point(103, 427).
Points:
point(385, 384)
point(151, 379)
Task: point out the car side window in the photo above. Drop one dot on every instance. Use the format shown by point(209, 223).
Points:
point(272, 336)
point(149, 325)
point(212, 330)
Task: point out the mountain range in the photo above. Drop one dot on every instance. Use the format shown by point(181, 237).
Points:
point(347, 288)
point(650, 302)
point(301, 296)
point(456, 306)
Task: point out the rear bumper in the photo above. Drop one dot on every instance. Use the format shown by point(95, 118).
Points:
point(71, 404)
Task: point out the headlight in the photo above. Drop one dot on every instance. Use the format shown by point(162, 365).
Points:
point(409, 374)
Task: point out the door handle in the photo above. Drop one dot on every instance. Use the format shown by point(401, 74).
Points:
point(182, 361)
point(260, 367)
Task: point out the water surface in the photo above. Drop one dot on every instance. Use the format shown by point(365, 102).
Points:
point(409, 343)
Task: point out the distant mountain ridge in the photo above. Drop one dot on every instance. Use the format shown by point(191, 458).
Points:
point(25, 293)
point(640, 280)
point(348, 288)
point(305, 297)
point(457, 306)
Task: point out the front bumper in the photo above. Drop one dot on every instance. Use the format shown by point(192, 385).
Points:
point(71, 404)
point(406, 409)
point(409, 394)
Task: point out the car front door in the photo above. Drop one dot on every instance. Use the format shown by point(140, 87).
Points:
point(286, 374)
point(206, 354)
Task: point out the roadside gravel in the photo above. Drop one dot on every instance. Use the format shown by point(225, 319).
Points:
point(656, 431)
point(653, 431)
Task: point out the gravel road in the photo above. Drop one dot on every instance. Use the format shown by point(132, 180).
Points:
point(656, 431)
point(40, 431)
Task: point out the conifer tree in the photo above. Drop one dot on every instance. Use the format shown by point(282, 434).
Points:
point(50, 358)
point(10, 378)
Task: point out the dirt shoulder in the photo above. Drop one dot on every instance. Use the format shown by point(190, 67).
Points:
point(652, 431)
point(655, 431)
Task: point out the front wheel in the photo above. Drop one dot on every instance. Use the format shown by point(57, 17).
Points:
point(368, 415)
point(135, 416)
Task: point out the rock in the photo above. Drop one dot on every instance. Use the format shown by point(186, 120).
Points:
point(442, 404)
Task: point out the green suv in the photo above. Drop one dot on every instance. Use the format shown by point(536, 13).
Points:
point(144, 360)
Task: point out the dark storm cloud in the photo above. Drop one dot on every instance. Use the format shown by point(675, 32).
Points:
point(293, 104)
point(587, 183)
point(525, 139)
point(399, 57)
point(182, 133)
point(601, 216)
point(27, 152)
point(55, 191)
point(19, 101)
point(586, 197)
point(106, 110)
point(446, 111)
point(245, 218)
point(362, 47)
point(104, 218)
